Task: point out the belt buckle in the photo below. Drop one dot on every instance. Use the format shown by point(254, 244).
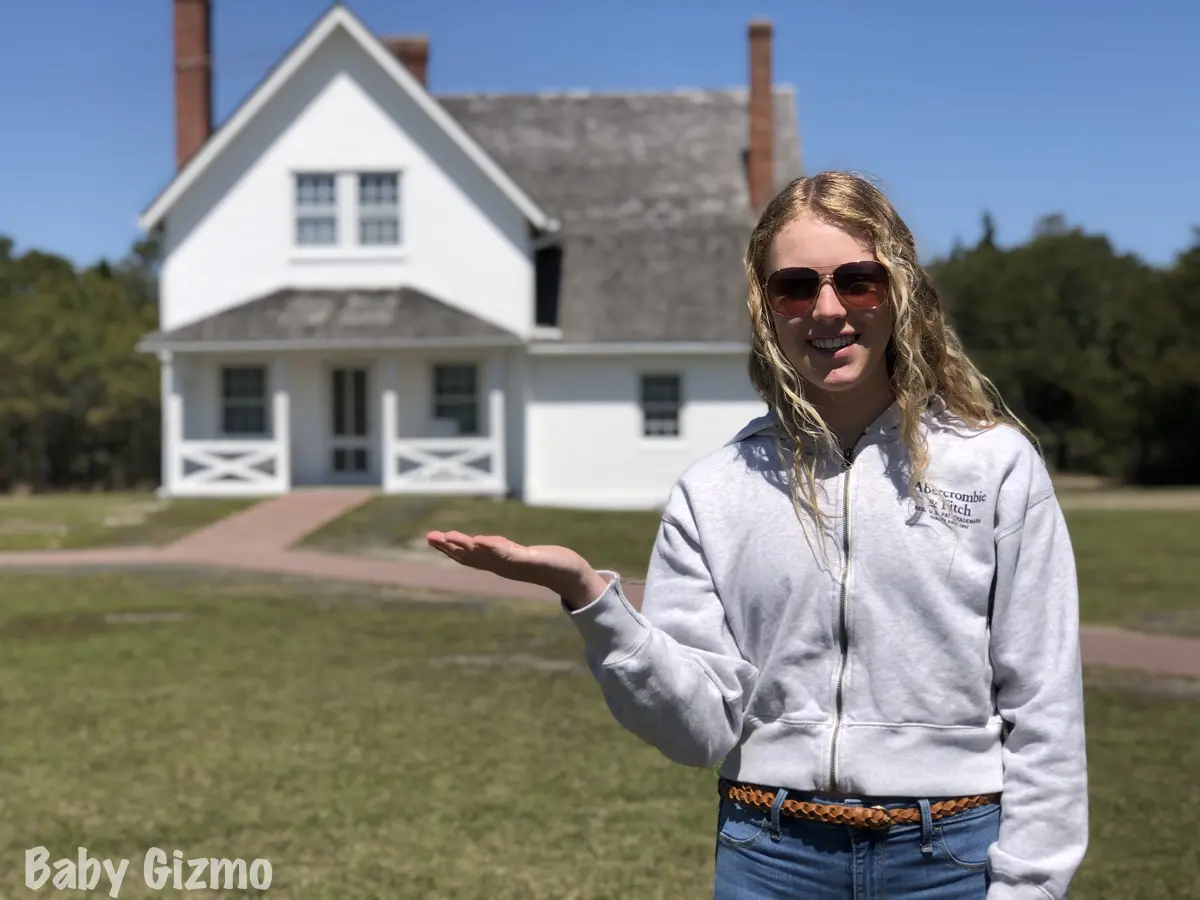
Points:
point(887, 823)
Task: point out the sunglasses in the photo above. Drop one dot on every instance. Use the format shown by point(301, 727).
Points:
point(793, 292)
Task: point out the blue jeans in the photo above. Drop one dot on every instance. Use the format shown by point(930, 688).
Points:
point(762, 855)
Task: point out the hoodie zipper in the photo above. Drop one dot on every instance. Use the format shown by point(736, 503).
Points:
point(843, 624)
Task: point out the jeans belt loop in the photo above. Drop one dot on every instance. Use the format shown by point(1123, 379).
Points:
point(926, 827)
point(776, 828)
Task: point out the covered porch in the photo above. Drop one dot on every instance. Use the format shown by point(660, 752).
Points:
point(389, 388)
point(237, 424)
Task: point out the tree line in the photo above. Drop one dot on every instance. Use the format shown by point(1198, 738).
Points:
point(1094, 349)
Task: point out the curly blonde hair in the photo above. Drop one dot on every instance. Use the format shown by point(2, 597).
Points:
point(925, 358)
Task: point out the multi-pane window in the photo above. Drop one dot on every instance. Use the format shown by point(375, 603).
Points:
point(316, 210)
point(378, 209)
point(456, 395)
point(244, 400)
point(661, 404)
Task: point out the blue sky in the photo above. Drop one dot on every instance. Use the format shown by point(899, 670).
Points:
point(1090, 108)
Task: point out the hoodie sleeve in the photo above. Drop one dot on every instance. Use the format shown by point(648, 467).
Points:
point(671, 674)
point(1039, 692)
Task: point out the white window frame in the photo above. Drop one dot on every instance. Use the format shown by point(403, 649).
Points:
point(349, 213)
point(367, 211)
point(653, 407)
point(227, 402)
point(439, 400)
point(315, 211)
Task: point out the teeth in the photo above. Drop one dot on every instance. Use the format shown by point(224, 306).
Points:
point(833, 343)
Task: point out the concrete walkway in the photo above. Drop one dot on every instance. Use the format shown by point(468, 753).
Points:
point(260, 539)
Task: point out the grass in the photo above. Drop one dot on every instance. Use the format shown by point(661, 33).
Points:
point(76, 521)
point(371, 746)
point(1137, 568)
point(608, 540)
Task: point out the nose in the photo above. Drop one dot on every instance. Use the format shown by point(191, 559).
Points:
point(829, 306)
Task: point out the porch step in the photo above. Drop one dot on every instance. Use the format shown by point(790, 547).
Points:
point(273, 524)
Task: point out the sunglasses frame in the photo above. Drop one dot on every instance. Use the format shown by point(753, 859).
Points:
point(827, 275)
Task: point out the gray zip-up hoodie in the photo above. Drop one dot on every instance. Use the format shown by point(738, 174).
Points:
point(928, 648)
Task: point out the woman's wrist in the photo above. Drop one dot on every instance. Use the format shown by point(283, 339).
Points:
point(591, 585)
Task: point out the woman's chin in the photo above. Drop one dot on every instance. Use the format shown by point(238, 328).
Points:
point(841, 378)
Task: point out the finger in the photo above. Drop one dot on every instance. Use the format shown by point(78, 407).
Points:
point(499, 544)
point(460, 540)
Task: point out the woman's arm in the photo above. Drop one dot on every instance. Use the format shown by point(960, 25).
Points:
point(1039, 692)
point(671, 674)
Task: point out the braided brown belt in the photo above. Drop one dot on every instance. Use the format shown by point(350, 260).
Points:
point(854, 816)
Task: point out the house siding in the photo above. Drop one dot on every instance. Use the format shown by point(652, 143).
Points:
point(584, 443)
point(230, 238)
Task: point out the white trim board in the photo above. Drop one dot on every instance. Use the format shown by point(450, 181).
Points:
point(150, 345)
point(339, 17)
point(641, 348)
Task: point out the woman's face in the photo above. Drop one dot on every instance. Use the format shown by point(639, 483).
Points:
point(834, 346)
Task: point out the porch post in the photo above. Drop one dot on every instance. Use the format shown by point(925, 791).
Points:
point(172, 422)
point(388, 424)
point(496, 429)
point(281, 422)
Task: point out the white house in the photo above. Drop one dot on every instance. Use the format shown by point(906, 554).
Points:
point(537, 296)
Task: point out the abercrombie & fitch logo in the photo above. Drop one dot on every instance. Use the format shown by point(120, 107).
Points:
point(955, 508)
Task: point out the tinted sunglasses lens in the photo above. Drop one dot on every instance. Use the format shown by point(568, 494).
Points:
point(862, 284)
point(791, 290)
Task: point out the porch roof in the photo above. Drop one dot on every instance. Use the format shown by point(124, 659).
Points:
point(295, 318)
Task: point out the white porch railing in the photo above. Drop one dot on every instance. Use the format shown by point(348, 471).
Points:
point(444, 466)
point(208, 468)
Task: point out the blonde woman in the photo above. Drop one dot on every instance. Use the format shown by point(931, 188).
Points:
point(864, 606)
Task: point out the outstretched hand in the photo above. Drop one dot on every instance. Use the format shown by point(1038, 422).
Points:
point(560, 569)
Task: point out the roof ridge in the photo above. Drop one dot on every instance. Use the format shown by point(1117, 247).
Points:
point(585, 93)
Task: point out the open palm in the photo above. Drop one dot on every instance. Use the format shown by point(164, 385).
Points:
point(560, 569)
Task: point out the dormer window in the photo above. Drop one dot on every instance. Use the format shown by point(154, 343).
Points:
point(347, 210)
point(316, 210)
point(379, 209)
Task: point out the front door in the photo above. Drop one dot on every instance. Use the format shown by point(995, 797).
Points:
point(350, 446)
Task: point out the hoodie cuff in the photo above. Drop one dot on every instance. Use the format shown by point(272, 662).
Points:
point(611, 628)
point(1009, 890)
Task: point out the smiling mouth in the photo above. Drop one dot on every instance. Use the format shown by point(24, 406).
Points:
point(836, 343)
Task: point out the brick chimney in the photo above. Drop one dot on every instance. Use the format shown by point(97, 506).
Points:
point(413, 52)
point(193, 77)
point(760, 157)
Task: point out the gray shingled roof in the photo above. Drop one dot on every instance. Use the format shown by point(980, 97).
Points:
point(652, 193)
point(349, 316)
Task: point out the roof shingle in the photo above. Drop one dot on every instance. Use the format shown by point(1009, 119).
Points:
point(652, 194)
point(348, 316)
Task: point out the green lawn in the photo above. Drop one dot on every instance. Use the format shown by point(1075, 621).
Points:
point(371, 746)
point(74, 521)
point(612, 540)
point(1137, 568)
